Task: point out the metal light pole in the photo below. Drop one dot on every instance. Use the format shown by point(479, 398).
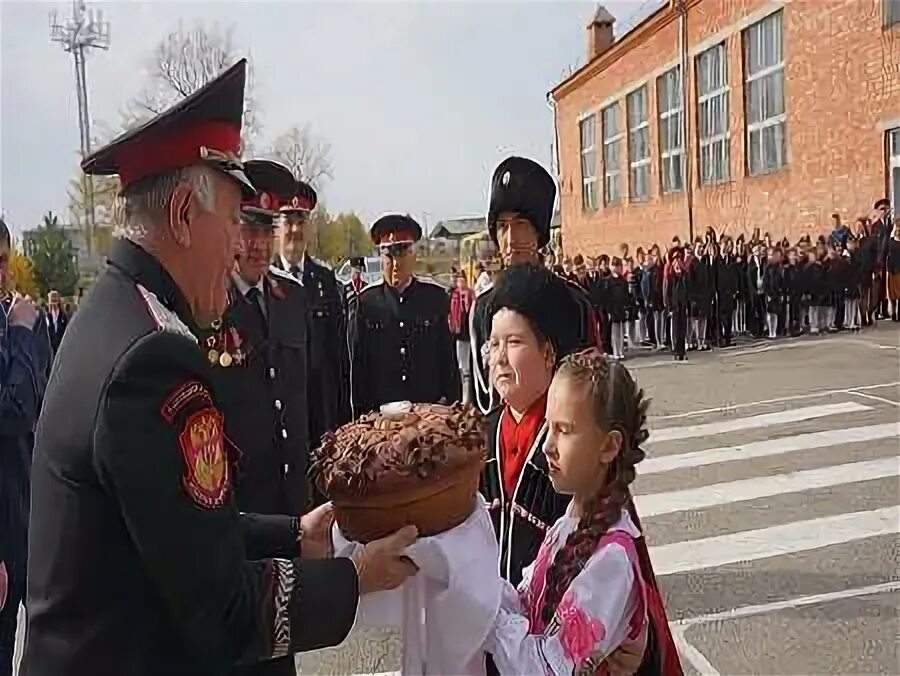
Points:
point(81, 32)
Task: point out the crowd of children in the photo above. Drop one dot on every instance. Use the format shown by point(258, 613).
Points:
point(698, 295)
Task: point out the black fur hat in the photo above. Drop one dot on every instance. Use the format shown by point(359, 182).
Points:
point(544, 299)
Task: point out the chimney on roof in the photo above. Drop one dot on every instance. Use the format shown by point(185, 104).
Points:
point(600, 32)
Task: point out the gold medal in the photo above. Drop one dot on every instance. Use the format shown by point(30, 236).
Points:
point(213, 356)
point(225, 360)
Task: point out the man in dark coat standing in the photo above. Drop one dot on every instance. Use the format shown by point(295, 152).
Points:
point(329, 403)
point(400, 343)
point(24, 360)
point(139, 561)
point(57, 320)
point(519, 214)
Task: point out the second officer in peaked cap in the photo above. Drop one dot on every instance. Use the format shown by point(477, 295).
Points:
point(139, 561)
point(329, 361)
point(520, 213)
point(399, 336)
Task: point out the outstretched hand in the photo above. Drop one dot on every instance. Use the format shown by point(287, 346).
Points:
point(626, 659)
point(316, 528)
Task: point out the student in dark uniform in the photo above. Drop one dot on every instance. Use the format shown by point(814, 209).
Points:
point(354, 287)
point(260, 357)
point(24, 363)
point(329, 362)
point(773, 290)
point(678, 303)
point(618, 306)
point(400, 343)
point(728, 281)
point(518, 219)
point(139, 562)
point(791, 278)
point(702, 278)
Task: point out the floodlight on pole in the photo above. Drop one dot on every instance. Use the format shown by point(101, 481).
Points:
point(83, 31)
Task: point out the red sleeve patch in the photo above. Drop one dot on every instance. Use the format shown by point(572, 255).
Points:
point(207, 477)
point(186, 393)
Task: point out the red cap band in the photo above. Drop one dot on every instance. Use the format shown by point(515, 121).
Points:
point(169, 150)
point(267, 201)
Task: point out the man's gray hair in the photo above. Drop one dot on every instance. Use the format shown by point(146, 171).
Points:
point(143, 205)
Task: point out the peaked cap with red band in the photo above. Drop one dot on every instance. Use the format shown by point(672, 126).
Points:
point(305, 199)
point(275, 185)
point(395, 229)
point(204, 128)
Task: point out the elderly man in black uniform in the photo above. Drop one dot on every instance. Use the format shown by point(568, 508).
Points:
point(24, 364)
point(399, 336)
point(259, 355)
point(329, 408)
point(139, 561)
point(519, 214)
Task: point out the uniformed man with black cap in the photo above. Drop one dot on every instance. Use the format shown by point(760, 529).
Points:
point(259, 355)
point(329, 408)
point(399, 336)
point(523, 195)
point(139, 562)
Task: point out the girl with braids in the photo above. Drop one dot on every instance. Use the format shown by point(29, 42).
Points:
point(591, 588)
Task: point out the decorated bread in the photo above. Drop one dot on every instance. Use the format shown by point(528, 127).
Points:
point(413, 464)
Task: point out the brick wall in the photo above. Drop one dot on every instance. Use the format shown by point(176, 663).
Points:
point(842, 90)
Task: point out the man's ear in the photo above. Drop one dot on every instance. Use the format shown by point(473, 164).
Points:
point(182, 210)
point(611, 446)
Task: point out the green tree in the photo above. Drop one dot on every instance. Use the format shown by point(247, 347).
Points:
point(53, 257)
point(341, 236)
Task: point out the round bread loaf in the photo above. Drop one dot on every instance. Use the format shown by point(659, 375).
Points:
point(415, 464)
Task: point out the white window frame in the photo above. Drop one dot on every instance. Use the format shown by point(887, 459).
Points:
point(633, 164)
point(589, 201)
point(890, 13)
point(612, 138)
point(720, 143)
point(675, 113)
point(756, 32)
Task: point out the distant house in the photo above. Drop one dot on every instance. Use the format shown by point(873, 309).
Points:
point(458, 228)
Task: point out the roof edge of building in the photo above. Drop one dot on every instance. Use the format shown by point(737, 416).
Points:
point(637, 35)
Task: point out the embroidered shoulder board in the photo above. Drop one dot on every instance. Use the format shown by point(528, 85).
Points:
point(283, 275)
point(165, 319)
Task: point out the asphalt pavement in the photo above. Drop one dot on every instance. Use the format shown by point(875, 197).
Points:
point(770, 498)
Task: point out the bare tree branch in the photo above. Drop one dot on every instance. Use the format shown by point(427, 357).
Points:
point(185, 60)
point(306, 154)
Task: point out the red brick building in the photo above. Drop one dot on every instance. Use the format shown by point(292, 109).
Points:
point(789, 111)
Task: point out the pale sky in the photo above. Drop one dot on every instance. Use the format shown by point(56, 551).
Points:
point(419, 100)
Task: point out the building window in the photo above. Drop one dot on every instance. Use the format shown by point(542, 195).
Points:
point(638, 144)
point(894, 168)
point(713, 95)
point(588, 130)
point(671, 143)
point(890, 12)
point(766, 119)
point(613, 134)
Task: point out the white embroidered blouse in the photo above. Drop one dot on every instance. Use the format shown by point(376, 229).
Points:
point(603, 606)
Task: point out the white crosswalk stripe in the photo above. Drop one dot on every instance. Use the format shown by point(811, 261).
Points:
point(789, 495)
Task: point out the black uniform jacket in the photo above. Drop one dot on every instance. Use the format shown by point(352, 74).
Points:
point(400, 346)
point(520, 520)
point(486, 397)
point(329, 361)
point(137, 554)
point(263, 394)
